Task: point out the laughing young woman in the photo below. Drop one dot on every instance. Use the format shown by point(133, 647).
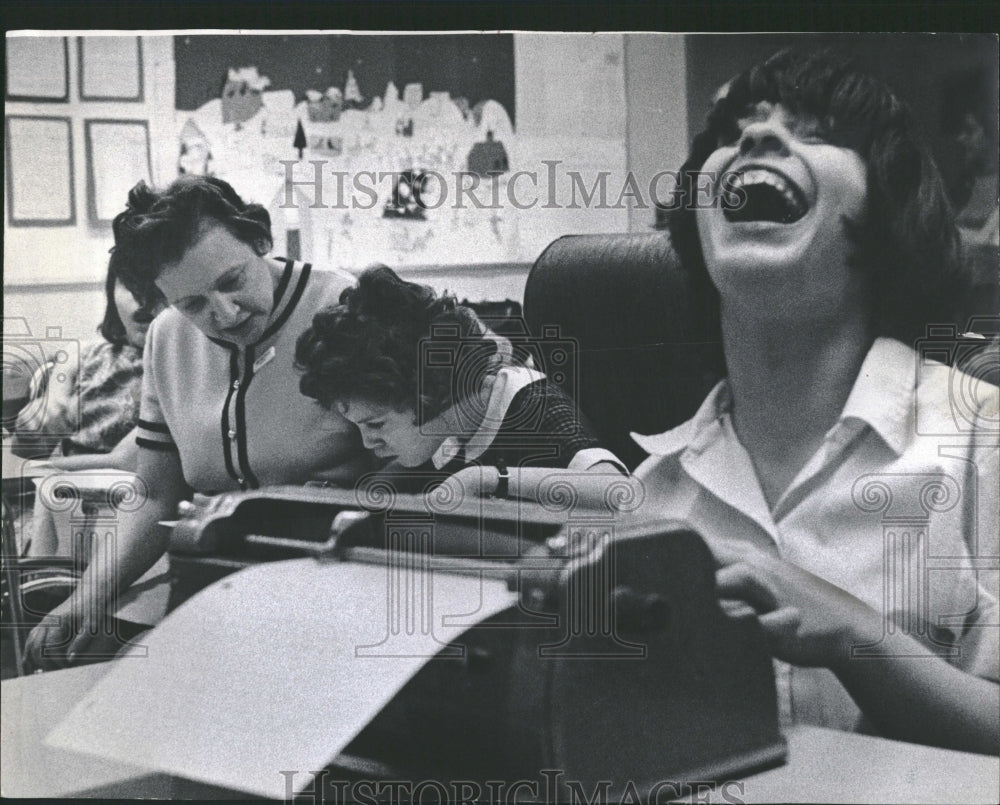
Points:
point(832, 248)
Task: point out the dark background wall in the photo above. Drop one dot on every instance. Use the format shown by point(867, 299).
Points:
point(475, 66)
point(921, 68)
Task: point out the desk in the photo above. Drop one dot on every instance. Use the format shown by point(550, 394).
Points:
point(15, 469)
point(823, 765)
point(830, 766)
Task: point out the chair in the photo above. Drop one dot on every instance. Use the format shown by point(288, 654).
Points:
point(643, 345)
point(29, 588)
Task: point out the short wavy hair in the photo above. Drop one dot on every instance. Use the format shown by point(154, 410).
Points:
point(908, 242)
point(158, 227)
point(396, 343)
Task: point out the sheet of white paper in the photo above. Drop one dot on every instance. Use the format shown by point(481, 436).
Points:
point(267, 670)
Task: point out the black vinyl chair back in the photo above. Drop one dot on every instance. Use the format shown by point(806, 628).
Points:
point(642, 344)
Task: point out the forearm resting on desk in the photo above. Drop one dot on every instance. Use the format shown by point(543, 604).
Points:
point(125, 456)
point(600, 486)
point(913, 695)
point(907, 691)
point(116, 561)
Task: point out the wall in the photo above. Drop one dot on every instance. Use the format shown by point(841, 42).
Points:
point(619, 94)
point(657, 128)
point(53, 276)
point(918, 67)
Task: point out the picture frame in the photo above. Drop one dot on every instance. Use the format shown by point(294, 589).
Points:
point(39, 168)
point(110, 68)
point(118, 156)
point(37, 69)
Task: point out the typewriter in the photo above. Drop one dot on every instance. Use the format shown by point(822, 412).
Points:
point(616, 662)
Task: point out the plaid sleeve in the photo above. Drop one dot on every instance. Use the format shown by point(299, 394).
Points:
point(151, 429)
point(543, 412)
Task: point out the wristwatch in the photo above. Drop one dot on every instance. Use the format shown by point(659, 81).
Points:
point(503, 480)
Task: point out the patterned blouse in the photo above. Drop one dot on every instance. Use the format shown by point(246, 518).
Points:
point(94, 410)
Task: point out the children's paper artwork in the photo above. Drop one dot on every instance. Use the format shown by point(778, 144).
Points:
point(403, 178)
point(326, 107)
point(413, 94)
point(352, 95)
point(488, 158)
point(195, 151)
point(241, 94)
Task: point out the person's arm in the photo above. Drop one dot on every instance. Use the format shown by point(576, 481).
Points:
point(124, 456)
point(600, 486)
point(113, 567)
point(52, 410)
point(910, 695)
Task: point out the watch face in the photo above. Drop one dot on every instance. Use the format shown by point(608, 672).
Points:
point(503, 480)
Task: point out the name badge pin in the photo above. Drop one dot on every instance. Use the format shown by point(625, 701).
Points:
point(263, 360)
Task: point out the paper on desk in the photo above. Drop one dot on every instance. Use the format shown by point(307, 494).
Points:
point(260, 673)
point(37, 468)
point(15, 467)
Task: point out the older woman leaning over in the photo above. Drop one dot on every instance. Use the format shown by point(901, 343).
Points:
point(220, 408)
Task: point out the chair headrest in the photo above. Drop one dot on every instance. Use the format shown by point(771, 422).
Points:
point(647, 344)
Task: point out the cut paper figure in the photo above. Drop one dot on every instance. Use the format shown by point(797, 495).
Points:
point(488, 158)
point(406, 197)
point(324, 108)
point(241, 94)
point(491, 116)
point(195, 152)
point(300, 139)
point(352, 95)
point(413, 94)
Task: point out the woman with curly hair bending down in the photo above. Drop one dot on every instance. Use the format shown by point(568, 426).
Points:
point(434, 391)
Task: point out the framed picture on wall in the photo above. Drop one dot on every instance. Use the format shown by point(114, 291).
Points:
point(37, 69)
point(110, 68)
point(117, 158)
point(39, 165)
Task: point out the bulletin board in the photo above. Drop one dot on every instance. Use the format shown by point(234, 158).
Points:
point(276, 116)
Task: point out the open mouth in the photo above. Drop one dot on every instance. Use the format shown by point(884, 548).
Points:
point(766, 196)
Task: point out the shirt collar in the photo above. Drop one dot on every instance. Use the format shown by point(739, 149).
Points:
point(508, 383)
point(716, 404)
point(882, 397)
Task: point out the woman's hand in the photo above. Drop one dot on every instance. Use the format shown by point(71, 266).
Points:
point(62, 636)
point(808, 620)
point(470, 483)
point(908, 693)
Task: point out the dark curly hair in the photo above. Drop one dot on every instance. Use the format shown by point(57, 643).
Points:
point(158, 227)
point(395, 343)
point(908, 243)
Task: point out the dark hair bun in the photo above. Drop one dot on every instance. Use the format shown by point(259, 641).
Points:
point(141, 198)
